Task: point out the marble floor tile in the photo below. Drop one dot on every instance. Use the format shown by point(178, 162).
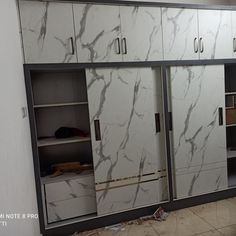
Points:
point(228, 231)
point(210, 233)
point(181, 223)
point(218, 214)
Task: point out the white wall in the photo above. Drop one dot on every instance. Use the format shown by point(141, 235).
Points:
point(17, 194)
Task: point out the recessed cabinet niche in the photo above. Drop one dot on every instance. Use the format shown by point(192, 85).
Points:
point(61, 114)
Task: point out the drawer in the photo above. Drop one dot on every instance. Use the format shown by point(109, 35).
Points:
point(62, 210)
point(70, 188)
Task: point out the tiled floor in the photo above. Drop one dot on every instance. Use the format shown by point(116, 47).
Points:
point(212, 219)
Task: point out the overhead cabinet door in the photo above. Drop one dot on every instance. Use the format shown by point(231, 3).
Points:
point(48, 32)
point(215, 34)
point(141, 33)
point(180, 34)
point(127, 136)
point(97, 30)
point(199, 139)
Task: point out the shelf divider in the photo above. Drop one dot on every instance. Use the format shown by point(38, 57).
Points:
point(60, 104)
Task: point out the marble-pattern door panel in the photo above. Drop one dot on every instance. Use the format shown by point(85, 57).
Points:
point(131, 196)
point(180, 34)
point(70, 188)
point(75, 207)
point(141, 27)
point(201, 180)
point(48, 32)
point(197, 92)
point(97, 29)
point(216, 33)
point(123, 102)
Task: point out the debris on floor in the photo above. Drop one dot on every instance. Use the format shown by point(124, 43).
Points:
point(116, 227)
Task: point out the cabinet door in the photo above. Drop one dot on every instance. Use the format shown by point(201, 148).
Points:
point(233, 23)
point(48, 32)
point(215, 34)
point(97, 30)
point(199, 136)
point(122, 101)
point(142, 33)
point(180, 34)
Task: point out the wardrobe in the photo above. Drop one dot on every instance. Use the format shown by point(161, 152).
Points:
point(147, 91)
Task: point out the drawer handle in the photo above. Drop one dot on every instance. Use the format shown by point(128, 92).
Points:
point(170, 121)
point(72, 46)
point(201, 45)
point(221, 120)
point(157, 122)
point(234, 44)
point(117, 46)
point(195, 45)
point(124, 46)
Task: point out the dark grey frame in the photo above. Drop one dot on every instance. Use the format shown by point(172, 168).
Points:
point(172, 204)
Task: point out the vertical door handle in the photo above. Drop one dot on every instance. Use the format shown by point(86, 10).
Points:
point(157, 122)
point(234, 45)
point(195, 45)
point(97, 130)
point(72, 46)
point(201, 45)
point(220, 111)
point(170, 121)
point(117, 45)
point(124, 46)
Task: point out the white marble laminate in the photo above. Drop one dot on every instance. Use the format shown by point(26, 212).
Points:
point(198, 140)
point(141, 27)
point(180, 32)
point(97, 27)
point(216, 33)
point(47, 28)
point(123, 101)
point(131, 196)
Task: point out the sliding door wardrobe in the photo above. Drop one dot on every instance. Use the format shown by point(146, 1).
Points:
point(131, 107)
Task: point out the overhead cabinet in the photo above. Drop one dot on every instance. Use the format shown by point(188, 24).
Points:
point(199, 137)
point(48, 32)
point(117, 33)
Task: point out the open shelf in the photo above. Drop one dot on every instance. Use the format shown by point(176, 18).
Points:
point(230, 93)
point(231, 153)
point(54, 141)
point(60, 104)
point(232, 125)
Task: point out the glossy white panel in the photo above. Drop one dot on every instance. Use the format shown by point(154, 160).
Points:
point(216, 33)
point(47, 29)
point(141, 27)
point(97, 27)
point(123, 101)
point(180, 34)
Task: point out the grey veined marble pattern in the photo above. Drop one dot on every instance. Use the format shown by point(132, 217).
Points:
point(141, 26)
point(198, 140)
point(180, 28)
point(97, 27)
point(47, 28)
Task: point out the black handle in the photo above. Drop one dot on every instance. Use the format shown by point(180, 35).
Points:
point(125, 45)
point(72, 46)
point(170, 121)
point(234, 46)
point(118, 43)
point(97, 130)
point(221, 120)
point(157, 122)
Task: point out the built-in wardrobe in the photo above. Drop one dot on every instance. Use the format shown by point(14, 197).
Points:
point(131, 107)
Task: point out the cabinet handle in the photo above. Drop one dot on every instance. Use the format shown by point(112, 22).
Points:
point(97, 130)
point(118, 46)
point(157, 122)
point(170, 121)
point(72, 46)
point(220, 111)
point(195, 45)
point(201, 45)
point(234, 46)
point(124, 46)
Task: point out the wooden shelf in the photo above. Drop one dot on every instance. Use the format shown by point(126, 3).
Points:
point(53, 141)
point(60, 104)
point(231, 153)
point(232, 125)
point(230, 93)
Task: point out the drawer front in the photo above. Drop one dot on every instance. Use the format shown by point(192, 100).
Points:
point(131, 196)
point(68, 189)
point(62, 210)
